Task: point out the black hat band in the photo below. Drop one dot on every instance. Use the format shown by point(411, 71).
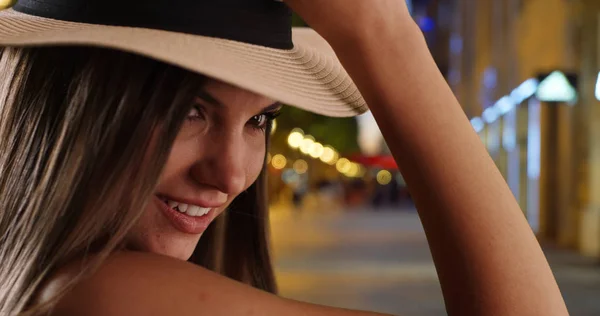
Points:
point(260, 22)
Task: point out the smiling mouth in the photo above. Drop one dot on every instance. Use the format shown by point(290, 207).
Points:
point(188, 209)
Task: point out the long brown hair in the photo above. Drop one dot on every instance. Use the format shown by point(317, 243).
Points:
point(84, 135)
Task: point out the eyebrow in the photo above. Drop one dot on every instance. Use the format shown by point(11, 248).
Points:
point(206, 97)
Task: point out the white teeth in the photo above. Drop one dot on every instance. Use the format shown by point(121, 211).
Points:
point(197, 210)
point(191, 210)
point(182, 207)
point(172, 204)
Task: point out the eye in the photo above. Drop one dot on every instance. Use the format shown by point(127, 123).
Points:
point(262, 121)
point(195, 113)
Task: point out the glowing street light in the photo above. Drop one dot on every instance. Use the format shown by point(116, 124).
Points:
point(598, 87)
point(317, 150)
point(343, 165)
point(329, 156)
point(4, 4)
point(490, 115)
point(300, 166)
point(307, 144)
point(556, 88)
point(353, 171)
point(273, 126)
point(477, 124)
point(384, 177)
point(295, 138)
point(278, 161)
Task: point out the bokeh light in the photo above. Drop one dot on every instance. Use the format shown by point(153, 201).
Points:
point(353, 171)
point(269, 158)
point(343, 165)
point(329, 156)
point(295, 138)
point(279, 162)
point(273, 126)
point(6, 4)
point(300, 166)
point(288, 176)
point(317, 150)
point(307, 144)
point(384, 177)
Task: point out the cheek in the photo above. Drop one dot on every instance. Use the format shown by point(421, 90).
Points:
point(255, 163)
point(180, 158)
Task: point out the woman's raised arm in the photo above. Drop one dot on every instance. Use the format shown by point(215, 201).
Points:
point(487, 257)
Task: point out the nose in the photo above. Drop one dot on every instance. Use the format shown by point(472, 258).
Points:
point(222, 163)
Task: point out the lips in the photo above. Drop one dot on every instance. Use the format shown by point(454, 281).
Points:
point(187, 218)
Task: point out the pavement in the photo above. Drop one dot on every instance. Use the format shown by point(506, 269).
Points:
point(379, 261)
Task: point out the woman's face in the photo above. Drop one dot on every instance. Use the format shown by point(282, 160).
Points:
point(218, 153)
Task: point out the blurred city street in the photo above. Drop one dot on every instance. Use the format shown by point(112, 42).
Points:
point(379, 261)
point(527, 74)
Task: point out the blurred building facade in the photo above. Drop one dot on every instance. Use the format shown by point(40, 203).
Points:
point(549, 152)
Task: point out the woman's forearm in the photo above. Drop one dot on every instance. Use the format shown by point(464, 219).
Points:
point(488, 260)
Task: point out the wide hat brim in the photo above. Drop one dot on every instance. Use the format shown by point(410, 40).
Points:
point(309, 76)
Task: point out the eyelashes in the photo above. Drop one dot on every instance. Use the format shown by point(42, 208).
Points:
point(264, 120)
point(259, 122)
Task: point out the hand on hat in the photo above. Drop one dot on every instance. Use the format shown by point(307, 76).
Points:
point(340, 20)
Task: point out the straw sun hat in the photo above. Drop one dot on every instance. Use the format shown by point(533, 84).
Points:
point(247, 43)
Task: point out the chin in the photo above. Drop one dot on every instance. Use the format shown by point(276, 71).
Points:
point(178, 247)
point(182, 250)
point(153, 233)
point(176, 253)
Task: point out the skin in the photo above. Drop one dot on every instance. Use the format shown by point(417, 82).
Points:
point(487, 257)
point(218, 154)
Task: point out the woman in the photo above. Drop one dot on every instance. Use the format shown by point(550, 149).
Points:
point(114, 165)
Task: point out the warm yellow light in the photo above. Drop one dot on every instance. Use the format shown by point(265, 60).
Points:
point(384, 177)
point(327, 155)
point(335, 158)
point(4, 4)
point(353, 171)
point(343, 165)
point(269, 158)
point(295, 139)
point(307, 144)
point(273, 125)
point(278, 161)
point(300, 166)
point(317, 150)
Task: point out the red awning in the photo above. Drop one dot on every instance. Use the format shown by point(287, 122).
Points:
point(381, 161)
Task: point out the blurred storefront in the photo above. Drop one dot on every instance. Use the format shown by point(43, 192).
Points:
point(526, 73)
point(587, 125)
point(509, 62)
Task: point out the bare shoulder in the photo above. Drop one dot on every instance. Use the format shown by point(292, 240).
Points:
point(132, 283)
point(146, 284)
